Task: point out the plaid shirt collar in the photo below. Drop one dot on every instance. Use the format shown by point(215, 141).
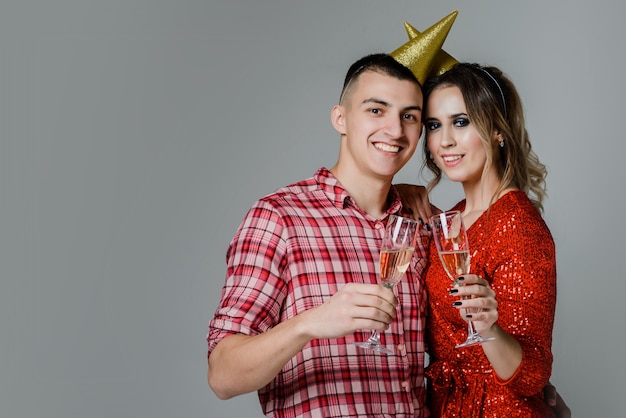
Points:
point(339, 195)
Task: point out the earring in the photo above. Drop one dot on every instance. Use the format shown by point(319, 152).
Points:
point(502, 144)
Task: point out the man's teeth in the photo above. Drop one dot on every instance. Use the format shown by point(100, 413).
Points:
point(451, 158)
point(387, 148)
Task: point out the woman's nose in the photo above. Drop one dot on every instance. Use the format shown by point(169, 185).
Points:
point(447, 139)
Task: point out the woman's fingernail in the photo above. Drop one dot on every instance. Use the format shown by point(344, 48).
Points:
point(421, 221)
point(453, 291)
point(457, 303)
point(468, 315)
point(460, 278)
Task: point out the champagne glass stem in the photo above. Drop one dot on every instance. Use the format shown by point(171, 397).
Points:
point(473, 337)
point(375, 337)
point(373, 342)
point(471, 330)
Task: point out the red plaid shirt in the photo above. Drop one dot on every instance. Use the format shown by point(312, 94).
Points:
point(293, 251)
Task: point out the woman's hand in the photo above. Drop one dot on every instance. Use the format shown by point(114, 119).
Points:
point(415, 202)
point(477, 302)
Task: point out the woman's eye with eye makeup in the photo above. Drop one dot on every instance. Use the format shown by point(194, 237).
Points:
point(432, 125)
point(460, 122)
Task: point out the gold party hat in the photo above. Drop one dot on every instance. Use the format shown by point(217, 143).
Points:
point(422, 54)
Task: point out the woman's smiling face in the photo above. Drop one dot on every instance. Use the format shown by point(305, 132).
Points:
point(453, 141)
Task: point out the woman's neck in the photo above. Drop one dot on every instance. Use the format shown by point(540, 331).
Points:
point(478, 199)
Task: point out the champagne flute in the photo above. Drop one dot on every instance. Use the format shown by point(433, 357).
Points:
point(395, 257)
point(453, 248)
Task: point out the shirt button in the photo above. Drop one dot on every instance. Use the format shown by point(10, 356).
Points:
point(400, 347)
point(405, 384)
point(378, 225)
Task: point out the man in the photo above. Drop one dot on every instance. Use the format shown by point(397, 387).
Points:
point(302, 282)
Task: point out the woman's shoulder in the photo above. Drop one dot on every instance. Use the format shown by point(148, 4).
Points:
point(518, 211)
point(516, 202)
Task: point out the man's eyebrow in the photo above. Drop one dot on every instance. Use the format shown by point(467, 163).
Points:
point(378, 101)
point(386, 104)
point(416, 107)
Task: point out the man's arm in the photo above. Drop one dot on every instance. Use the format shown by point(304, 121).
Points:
point(240, 363)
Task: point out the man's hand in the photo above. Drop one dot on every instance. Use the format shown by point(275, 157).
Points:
point(355, 306)
point(552, 398)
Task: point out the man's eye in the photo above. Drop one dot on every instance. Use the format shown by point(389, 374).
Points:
point(409, 116)
point(376, 111)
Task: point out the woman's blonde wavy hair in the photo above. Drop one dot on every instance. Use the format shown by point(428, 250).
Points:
point(494, 106)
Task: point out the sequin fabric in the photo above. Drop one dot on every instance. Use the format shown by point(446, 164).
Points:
point(513, 249)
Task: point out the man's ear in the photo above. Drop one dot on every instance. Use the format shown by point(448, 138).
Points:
point(338, 119)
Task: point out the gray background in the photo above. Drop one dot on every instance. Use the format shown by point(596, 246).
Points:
point(135, 135)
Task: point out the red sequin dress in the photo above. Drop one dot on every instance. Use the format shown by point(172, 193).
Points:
point(513, 249)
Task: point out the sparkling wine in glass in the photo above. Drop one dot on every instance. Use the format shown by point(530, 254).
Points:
point(395, 257)
point(453, 248)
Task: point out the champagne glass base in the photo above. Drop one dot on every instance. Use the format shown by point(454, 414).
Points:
point(374, 346)
point(473, 340)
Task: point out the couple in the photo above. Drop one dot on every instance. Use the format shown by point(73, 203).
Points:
point(301, 282)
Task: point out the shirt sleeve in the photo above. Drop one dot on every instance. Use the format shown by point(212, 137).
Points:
point(254, 290)
point(525, 284)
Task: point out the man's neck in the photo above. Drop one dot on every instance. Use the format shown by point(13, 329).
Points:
point(370, 194)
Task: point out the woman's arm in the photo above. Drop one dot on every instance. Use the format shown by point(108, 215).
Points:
point(503, 352)
point(521, 272)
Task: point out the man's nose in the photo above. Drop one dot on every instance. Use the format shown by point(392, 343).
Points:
point(395, 128)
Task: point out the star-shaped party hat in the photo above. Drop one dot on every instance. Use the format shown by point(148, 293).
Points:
point(422, 54)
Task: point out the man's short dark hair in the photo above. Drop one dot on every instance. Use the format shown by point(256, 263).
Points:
point(380, 63)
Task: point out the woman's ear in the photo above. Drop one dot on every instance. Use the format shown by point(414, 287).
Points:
point(338, 119)
point(497, 135)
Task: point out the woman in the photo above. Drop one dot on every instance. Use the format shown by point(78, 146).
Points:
point(475, 135)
